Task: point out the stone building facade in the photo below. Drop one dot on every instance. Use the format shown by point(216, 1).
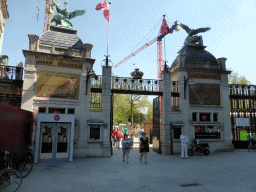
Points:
point(202, 110)
point(57, 89)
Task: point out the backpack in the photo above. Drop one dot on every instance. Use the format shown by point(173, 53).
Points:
point(127, 144)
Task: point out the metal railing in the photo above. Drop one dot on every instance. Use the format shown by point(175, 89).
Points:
point(95, 101)
point(11, 72)
point(11, 99)
point(129, 84)
point(174, 86)
point(97, 82)
point(242, 90)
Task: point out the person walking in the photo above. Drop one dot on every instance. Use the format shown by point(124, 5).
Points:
point(114, 136)
point(126, 145)
point(140, 133)
point(131, 139)
point(125, 130)
point(144, 147)
point(184, 145)
point(118, 137)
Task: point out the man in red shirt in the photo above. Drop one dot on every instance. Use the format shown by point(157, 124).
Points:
point(114, 136)
point(118, 137)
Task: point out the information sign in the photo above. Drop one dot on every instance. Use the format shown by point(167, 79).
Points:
point(243, 135)
point(242, 122)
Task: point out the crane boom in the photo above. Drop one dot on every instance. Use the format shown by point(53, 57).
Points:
point(163, 32)
point(136, 52)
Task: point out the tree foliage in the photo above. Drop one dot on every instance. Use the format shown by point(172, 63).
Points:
point(130, 108)
point(234, 78)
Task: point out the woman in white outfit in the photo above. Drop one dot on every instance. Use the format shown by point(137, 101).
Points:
point(184, 145)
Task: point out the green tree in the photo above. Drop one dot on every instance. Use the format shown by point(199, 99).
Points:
point(234, 78)
point(128, 107)
point(121, 108)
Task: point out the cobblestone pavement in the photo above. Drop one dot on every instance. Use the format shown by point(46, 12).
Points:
point(230, 171)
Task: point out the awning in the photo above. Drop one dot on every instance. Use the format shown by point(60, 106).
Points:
point(94, 122)
point(177, 123)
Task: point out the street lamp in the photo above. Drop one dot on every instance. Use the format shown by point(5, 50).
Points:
point(92, 74)
point(191, 82)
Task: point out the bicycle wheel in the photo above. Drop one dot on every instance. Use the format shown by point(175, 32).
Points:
point(10, 180)
point(26, 165)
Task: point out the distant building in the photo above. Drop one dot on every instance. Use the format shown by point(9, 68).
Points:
point(10, 76)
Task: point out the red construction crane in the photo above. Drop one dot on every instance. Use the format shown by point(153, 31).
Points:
point(48, 15)
point(163, 31)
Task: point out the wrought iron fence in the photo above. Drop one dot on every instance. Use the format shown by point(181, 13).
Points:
point(11, 99)
point(129, 84)
point(242, 90)
point(174, 86)
point(95, 101)
point(97, 82)
point(11, 72)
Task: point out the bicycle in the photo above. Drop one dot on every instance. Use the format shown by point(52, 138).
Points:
point(25, 164)
point(252, 144)
point(10, 179)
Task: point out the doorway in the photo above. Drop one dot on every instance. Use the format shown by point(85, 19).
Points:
point(55, 139)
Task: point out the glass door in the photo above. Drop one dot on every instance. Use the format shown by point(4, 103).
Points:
point(47, 140)
point(63, 130)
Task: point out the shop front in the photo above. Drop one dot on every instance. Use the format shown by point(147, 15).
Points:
point(207, 131)
point(54, 137)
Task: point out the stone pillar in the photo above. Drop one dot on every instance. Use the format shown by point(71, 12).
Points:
point(19, 66)
point(30, 79)
point(87, 49)
point(228, 146)
point(222, 62)
point(106, 109)
point(33, 42)
point(166, 110)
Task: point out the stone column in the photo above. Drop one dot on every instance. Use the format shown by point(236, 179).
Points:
point(226, 112)
point(33, 42)
point(166, 110)
point(30, 78)
point(87, 49)
point(106, 109)
point(19, 66)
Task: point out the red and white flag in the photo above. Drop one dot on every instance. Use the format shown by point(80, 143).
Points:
point(165, 28)
point(105, 7)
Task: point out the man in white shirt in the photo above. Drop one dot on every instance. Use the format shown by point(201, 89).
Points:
point(184, 145)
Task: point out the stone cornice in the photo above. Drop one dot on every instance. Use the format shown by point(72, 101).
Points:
point(35, 53)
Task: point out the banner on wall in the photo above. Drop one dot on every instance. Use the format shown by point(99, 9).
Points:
point(57, 85)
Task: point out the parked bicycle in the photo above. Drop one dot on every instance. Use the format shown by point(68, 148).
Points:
point(10, 179)
point(25, 164)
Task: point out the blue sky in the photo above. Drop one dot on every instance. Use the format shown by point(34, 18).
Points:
point(135, 22)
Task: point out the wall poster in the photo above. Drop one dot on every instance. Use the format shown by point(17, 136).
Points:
point(57, 85)
point(204, 94)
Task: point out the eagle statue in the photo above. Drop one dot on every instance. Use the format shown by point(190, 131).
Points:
point(192, 38)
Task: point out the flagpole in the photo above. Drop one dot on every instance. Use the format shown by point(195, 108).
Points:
point(108, 39)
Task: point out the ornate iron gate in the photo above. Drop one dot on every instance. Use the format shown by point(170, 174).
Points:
point(111, 122)
point(156, 125)
point(242, 105)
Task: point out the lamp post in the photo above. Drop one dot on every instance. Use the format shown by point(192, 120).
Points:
point(185, 84)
